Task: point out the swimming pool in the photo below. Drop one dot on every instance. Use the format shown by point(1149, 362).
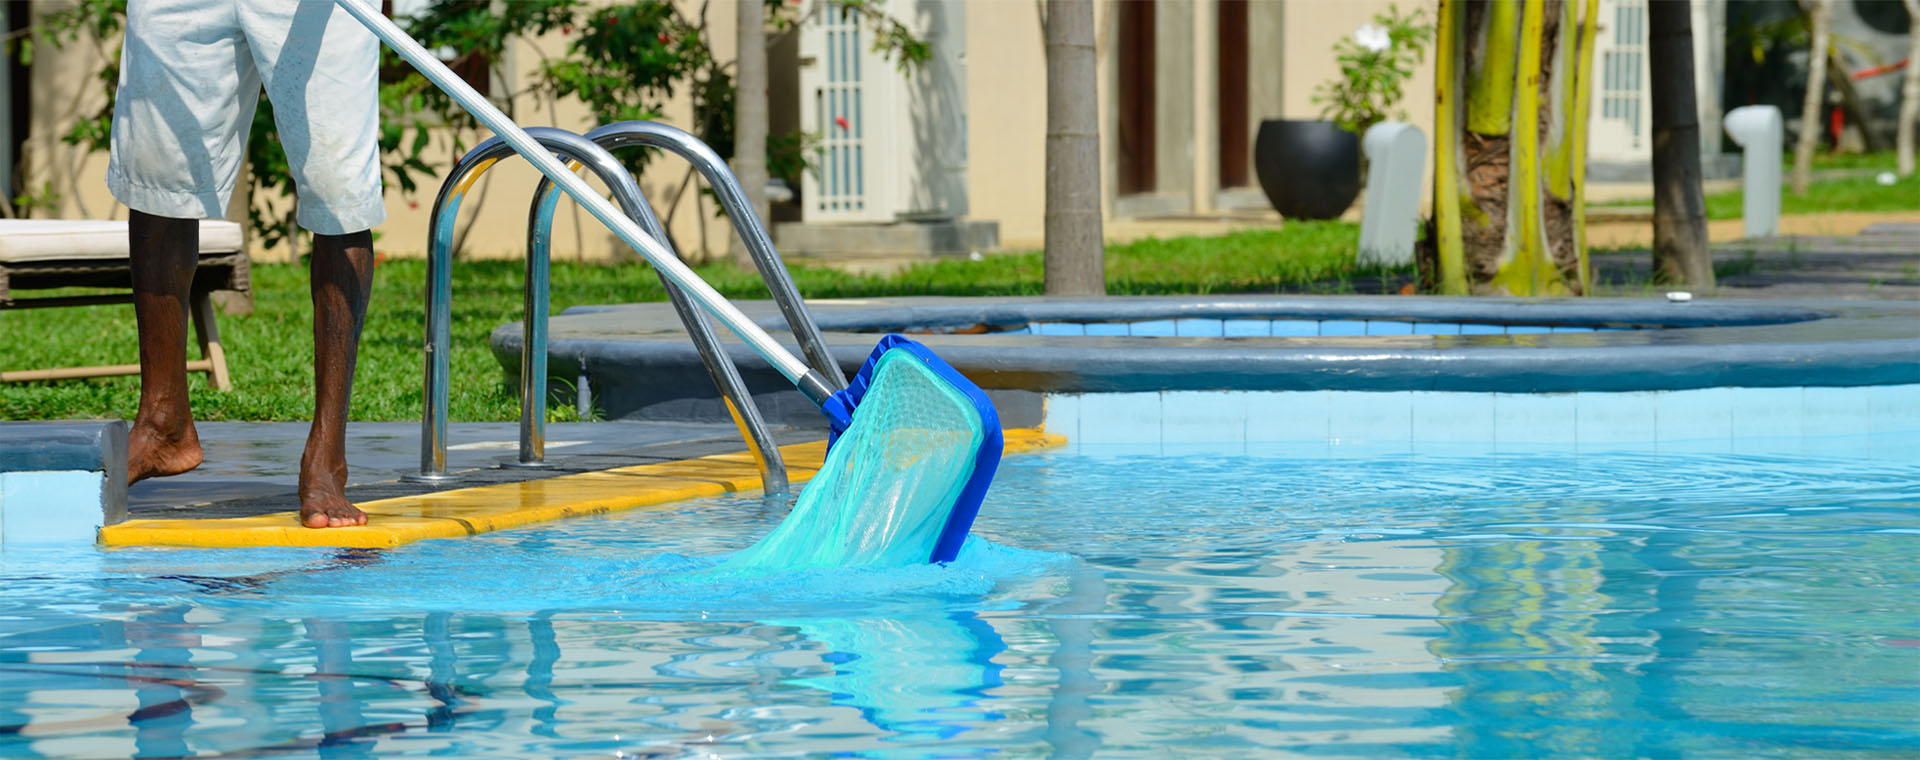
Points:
point(1271, 600)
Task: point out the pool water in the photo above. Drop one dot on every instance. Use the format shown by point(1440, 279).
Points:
point(1468, 604)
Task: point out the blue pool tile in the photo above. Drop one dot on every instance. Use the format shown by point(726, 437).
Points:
point(1893, 447)
point(1294, 328)
point(1109, 329)
point(1762, 413)
point(1701, 414)
point(1316, 449)
point(1119, 451)
point(1197, 328)
point(1063, 415)
point(1844, 446)
point(1172, 450)
point(51, 507)
point(1154, 328)
point(1474, 328)
point(1436, 328)
point(1453, 449)
point(1246, 328)
point(1203, 417)
point(1381, 416)
point(1696, 446)
point(1389, 327)
point(1895, 408)
point(1521, 419)
point(1059, 328)
point(1570, 329)
point(1282, 416)
point(1021, 330)
point(1602, 419)
point(1527, 329)
point(1374, 450)
point(1452, 417)
point(1836, 411)
point(1120, 418)
point(1343, 327)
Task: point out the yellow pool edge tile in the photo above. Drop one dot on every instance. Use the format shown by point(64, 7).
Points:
point(480, 509)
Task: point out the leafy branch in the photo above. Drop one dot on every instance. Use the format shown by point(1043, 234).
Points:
point(1375, 63)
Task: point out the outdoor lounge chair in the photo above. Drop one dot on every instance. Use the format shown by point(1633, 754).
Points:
point(40, 254)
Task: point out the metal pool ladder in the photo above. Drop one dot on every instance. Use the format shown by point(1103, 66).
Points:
point(593, 152)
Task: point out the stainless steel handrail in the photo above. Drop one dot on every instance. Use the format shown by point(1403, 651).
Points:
point(752, 232)
point(533, 356)
point(579, 150)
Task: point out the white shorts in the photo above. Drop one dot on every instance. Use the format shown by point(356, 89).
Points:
point(190, 76)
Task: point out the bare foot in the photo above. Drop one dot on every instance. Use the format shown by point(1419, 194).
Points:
point(155, 451)
point(324, 505)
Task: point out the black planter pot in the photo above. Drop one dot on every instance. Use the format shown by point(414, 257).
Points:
point(1308, 169)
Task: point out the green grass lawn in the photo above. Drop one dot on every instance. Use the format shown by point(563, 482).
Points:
point(1826, 196)
point(1850, 193)
point(270, 351)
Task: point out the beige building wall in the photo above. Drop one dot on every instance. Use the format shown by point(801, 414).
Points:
point(494, 213)
point(1290, 52)
point(1006, 118)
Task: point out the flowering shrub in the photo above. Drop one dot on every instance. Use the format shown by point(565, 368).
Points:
point(1375, 64)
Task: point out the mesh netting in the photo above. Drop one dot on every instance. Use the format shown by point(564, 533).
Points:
point(889, 482)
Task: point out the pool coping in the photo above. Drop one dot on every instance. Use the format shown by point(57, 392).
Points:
point(642, 367)
point(461, 512)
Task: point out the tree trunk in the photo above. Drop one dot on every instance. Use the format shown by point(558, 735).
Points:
point(1680, 251)
point(1512, 78)
point(1851, 104)
point(1810, 109)
point(750, 114)
point(1076, 254)
point(1909, 95)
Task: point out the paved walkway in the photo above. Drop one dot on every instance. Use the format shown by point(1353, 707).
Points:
point(1881, 261)
point(1623, 227)
point(247, 461)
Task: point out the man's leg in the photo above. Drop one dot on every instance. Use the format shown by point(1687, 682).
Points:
point(164, 253)
point(342, 274)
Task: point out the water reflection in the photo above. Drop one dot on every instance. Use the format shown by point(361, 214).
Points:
point(1475, 607)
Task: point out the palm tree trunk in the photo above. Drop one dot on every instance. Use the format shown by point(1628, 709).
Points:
point(1680, 251)
point(1510, 148)
point(1075, 255)
point(750, 113)
point(1809, 137)
point(1909, 94)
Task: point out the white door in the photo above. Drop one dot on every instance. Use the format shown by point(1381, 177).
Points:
point(1619, 124)
point(848, 97)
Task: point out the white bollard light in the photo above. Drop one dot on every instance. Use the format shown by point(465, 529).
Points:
point(1758, 130)
point(1390, 219)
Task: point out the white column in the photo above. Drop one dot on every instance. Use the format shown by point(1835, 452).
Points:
point(1206, 110)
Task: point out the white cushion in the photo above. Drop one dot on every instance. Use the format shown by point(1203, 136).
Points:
point(26, 240)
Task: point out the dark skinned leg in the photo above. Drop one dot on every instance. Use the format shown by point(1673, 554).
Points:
point(342, 273)
point(163, 253)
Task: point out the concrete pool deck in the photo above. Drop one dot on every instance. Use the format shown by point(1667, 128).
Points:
point(244, 494)
point(64, 482)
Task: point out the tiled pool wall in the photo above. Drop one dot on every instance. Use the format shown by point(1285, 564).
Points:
point(1290, 328)
point(1274, 368)
point(1726, 419)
